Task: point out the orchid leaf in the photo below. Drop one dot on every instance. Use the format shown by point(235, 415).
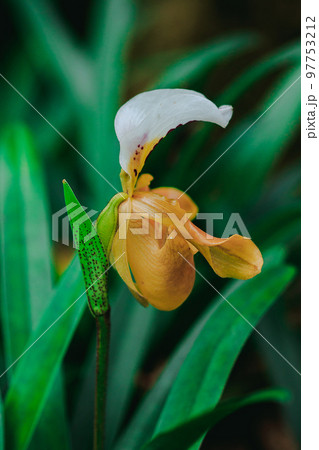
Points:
point(230, 406)
point(185, 435)
point(40, 19)
point(83, 411)
point(25, 199)
point(1, 425)
point(257, 143)
point(52, 430)
point(15, 310)
point(195, 62)
point(139, 430)
point(92, 257)
point(126, 356)
point(285, 57)
point(218, 345)
point(280, 333)
point(11, 109)
point(48, 343)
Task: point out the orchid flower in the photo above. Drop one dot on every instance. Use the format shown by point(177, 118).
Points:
point(158, 266)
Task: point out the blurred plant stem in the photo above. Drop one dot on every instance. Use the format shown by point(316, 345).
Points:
point(102, 351)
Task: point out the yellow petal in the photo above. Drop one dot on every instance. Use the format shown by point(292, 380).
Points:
point(235, 257)
point(163, 277)
point(184, 200)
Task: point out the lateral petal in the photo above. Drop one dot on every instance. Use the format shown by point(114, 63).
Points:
point(234, 257)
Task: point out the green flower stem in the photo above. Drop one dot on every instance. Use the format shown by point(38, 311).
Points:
point(102, 350)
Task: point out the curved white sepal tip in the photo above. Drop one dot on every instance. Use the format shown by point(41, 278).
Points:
point(146, 118)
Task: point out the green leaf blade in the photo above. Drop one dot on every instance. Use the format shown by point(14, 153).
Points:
point(256, 142)
point(16, 315)
point(185, 435)
point(216, 349)
point(140, 430)
point(65, 57)
point(27, 237)
point(192, 65)
point(30, 386)
point(1, 425)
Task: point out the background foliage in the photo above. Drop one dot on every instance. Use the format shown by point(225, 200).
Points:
point(173, 376)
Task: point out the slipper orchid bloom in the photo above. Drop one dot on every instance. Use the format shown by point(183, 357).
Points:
point(158, 266)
